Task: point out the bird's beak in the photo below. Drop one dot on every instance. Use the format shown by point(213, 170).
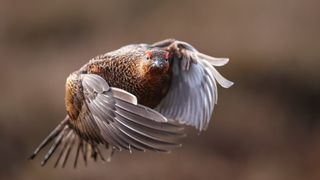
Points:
point(158, 63)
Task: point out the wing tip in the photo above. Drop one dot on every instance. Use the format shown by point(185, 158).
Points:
point(227, 84)
point(32, 156)
point(214, 61)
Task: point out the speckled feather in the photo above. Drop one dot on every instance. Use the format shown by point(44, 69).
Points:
point(124, 69)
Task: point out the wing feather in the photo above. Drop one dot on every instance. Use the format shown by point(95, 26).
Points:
point(113, 116)
point(193, 92)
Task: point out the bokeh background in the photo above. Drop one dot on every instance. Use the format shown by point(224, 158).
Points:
point(265, 127)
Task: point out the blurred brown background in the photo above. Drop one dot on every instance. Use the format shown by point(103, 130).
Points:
point(265, 127)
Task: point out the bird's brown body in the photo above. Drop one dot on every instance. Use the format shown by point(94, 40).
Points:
point(129, 71)
point(125, 69)
point(122, 99)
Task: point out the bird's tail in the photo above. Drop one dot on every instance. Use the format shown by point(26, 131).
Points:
point(63, 139)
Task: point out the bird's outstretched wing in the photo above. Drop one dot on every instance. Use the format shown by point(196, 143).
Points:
point(112, 115)
point(112, 118)
point(193, 92)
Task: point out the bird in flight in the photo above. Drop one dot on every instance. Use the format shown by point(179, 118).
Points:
point(138, 97)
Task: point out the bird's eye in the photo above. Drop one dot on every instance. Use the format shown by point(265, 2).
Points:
point(149, 55)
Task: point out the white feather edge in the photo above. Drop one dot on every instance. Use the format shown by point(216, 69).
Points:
point(103, 85)
point(220, 79)
point(215, 61)
point(124, 95)
point(221, 61)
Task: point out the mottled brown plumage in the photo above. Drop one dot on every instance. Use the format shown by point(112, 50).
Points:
point(136, 98)
point(131, 70)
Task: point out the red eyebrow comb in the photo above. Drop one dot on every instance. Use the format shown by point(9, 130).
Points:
point(167, 55)
point(149, 54)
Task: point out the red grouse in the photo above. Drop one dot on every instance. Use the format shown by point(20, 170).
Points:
point(136, 98)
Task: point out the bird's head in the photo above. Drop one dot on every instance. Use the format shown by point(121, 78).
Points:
point(156, 61)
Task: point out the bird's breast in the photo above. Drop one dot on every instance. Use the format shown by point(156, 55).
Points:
point(149, 88)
